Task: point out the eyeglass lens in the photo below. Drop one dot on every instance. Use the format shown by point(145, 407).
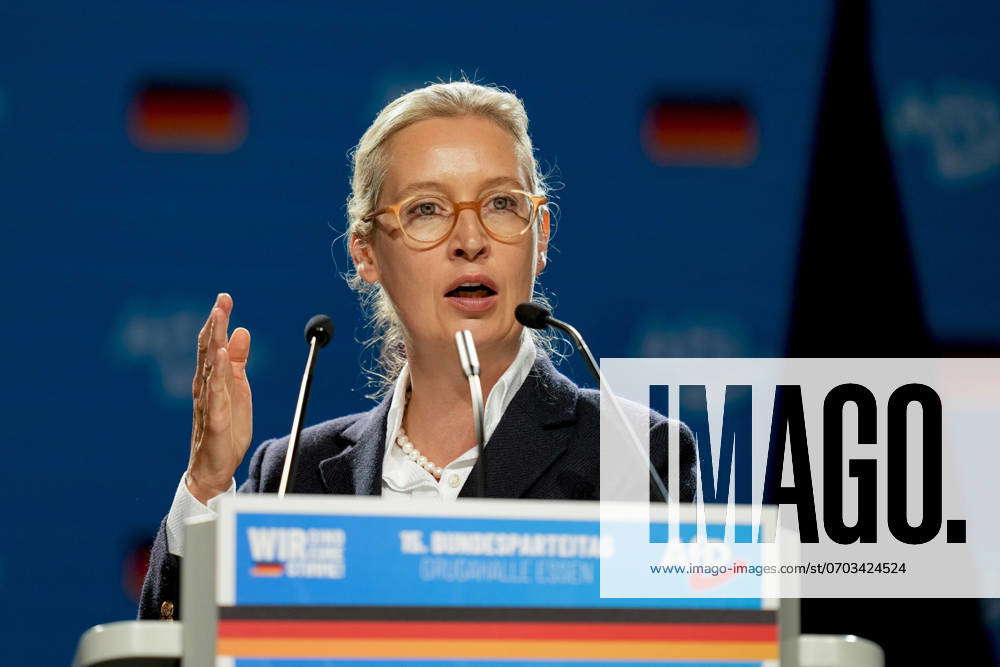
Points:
point(429, 217)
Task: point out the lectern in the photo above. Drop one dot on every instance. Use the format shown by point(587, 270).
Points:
point(338, 581)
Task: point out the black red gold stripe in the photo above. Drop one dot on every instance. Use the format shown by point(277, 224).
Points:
point(498, 633)
point(490, 614)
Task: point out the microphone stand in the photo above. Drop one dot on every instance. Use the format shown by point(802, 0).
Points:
point(581, 345)
point(602, 383)
point(470, 366)
point(319, 331)
point(292, 453)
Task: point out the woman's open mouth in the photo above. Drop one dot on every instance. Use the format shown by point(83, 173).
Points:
point(472, 296)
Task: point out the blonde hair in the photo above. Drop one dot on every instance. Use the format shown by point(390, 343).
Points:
point(370, 163)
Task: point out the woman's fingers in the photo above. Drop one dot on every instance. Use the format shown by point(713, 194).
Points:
point(220, 333)
point(201, 362)
point(222, 419)
point(239, 349)
point(220, 337)
point(217, 407)
point(225, 302)
point(209, 339)
point(239, 352)
point(240, 399)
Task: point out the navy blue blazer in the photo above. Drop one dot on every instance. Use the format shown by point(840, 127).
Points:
point(547, 445)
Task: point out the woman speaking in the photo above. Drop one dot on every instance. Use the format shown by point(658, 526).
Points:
point(448, 230)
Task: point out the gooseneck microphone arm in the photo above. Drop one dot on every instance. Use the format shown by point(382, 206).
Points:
point(581, 345)
point(319, 331)
point(470, 366)
point(534, 316)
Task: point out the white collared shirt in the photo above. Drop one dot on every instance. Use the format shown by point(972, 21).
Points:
point(401, 477)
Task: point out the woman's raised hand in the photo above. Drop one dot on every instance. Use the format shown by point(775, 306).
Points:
point(222, 422)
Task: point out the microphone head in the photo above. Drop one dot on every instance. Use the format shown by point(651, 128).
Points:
point(319, 327)
point(532, 315)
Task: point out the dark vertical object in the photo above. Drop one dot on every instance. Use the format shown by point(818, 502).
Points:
point(856, 295)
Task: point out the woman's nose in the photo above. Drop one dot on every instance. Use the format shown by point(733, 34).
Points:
point(469, 239)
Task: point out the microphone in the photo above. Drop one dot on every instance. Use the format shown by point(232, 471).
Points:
point(319, 332)
point(470, 366)
point(534, 316)
point(319, 327)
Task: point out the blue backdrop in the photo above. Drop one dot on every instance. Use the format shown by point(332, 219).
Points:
point(113, 253)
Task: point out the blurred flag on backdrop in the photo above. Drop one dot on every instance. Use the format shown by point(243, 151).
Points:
point(706, 133)
point(186, 118)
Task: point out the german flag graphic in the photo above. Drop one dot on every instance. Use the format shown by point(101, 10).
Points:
point(484, 635)
point(186, 118)
point(700, 133)
point(267, 570)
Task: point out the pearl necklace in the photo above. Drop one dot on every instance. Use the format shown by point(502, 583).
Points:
point(414, 455)
point(412, 452)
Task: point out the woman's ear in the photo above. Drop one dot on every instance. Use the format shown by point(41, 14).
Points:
point(364, 258)
point(542, 246)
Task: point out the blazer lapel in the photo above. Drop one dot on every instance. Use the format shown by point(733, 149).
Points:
point(531, 435)
point(528, 438)
point(357, 470)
